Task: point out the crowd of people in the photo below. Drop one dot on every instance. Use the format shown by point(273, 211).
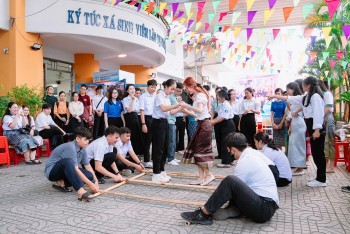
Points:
point(106, 137)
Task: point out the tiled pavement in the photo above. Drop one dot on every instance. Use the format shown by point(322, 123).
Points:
point(28, 204)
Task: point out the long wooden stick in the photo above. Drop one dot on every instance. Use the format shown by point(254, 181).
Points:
point(191, 203)
point(172, 184)
point(118, 185)
point(191, 175)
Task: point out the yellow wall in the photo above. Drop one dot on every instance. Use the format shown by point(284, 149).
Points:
point(141, 73)
point(21, 65)
point(84, 67)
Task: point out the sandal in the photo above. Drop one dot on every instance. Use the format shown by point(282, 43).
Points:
point(29, 162)
point(36, 161)
point(85, 197)
point(63, 189)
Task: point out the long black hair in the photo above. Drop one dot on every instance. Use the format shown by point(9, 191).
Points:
point(312, 81)
point(323, 85)
point(300, 83)
point(229, 94)
point(7, 111)
point(295, 87)
point(110, 91)
point(261, 136)
point(126, 90)
point(278, 90)
point(168, 83)
point(223, 94)
point(250, 90)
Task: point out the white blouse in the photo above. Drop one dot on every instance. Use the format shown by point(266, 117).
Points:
point(236, 107)
point(161, 99)
point(127, 102)
point(201, 98)
point(253, 104)
point(76, 108)
point(146, 102)
point(225, 111)
point(8, 119)
point(328, 100)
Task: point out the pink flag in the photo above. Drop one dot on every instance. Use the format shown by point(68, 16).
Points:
point(237, 62)
point(332, 63)
point(222, 14)
point(249, 33)
point(206, 26)
point(339, 54)
point(275, 32)
point(268, 52)
point(165, 12)
point(174, 5)
point(310, 61)
point(251, 15)
point(252, 54)
point(346, 31)
point(200, 6)
point(332, 7)
point(272, 3)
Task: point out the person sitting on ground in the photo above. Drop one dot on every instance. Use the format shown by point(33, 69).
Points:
point(101, 156)
point(63, 166)
point(47, 128)
point(127, 164)
point(250, 191)
point(267, 147)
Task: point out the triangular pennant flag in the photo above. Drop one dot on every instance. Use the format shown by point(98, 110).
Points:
point(307, 32)
point(237, 62)
point(251, 15)
point(235, 16)
point(326, 31)
point(232, 4)
point(216, 4)
point(230, 44)
point(226, 27)
point(325, 55)
point(188, 6)
point(249, 4)
point(174, 5)
point(332, 63)
point(117, 2)
point(248, 48)
point(267, 15)
point(332, 7)
point(339, 54)
point(286, 13)
point(344, 64)
point(200, 6)
point(223, 60)
point(239, 57)
point(199, 16)
point(141, 6)
point(268, 52)
point(313, 55)
point(344, 41)
point(181, 13)
point(151, 8)
point(237, 31)
point(275, 32)
point(328, 41)
point(182, 20)
point(198, 26)
point(313, 40)
point(161, 7)
point(222, 14)
point(211, 17)
point(320, 62)
point(252, 53)
point(206, 27)
point(190, 22)
point(307, 8)
point(346, 31)
point(246, 59)
point(249, 33)
point(271, 3)
point(296, 2)
point(165, 12)
point(326, 73)
point(258, 49)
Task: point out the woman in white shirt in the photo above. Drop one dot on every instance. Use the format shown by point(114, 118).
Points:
point(76, 110)
point(313, 108)
point(131, 108)
point(24, 144)
point(199, 150)
point(30, 124)
point(249, 108)
point(236, 107)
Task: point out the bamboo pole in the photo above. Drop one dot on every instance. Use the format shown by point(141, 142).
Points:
point(191, 175)
point(172, 184)
point(191, 203)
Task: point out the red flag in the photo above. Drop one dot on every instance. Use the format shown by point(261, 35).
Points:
point(222, 14)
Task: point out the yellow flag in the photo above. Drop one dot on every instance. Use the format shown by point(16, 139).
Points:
point(237, 31)
point(267, 15)
point(326, 31)
point(161, 7)
point(328, 40)
point(189, 16)
point(249, 4)
point(326, 73)
point(182, 20)
point(198, 26)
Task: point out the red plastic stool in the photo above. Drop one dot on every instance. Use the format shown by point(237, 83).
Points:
point(47, 150)
point(14, 157)
point(4, 151)
point(338, 158)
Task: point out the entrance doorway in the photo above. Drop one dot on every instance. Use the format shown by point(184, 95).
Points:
point(60, 76)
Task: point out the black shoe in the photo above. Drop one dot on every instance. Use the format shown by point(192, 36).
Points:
point(218, 157)
point(101, 181)
point(197, 217)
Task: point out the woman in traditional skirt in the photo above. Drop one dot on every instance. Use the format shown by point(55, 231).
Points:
point(160, 134)
point(24, 144)
point(313, 109)
point(30, 125)
point(225, 122)
point(277, 119)
point(76, 110)
point(131, 108)
point(113, 109)
point(61, 112)
point(199, 150)
point(249, 108)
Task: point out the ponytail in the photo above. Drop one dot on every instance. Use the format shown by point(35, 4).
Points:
point(261, 136)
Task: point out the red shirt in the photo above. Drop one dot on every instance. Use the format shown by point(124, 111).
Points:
point(85, 100)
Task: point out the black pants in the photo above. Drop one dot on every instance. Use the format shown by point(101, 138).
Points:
point(99, 126)
point(275, 172)
point(115, 121)
point(180, 133)
point(187, 131)
point(218, 137)
point(107, 162)
point(234, 190)
point(236, 121)
point(132, 122)
point(248, 128)
point(317, 149)
point(54, 134)
point(147, 139)
point(281, 182)
point(121, 166)
point(74, 123)
point(64, 170)
point(61, 124)
point(160, 142)
point(226, 127)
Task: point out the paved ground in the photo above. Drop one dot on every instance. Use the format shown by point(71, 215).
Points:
point(28, 204)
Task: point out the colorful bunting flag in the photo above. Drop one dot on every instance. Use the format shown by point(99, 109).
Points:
point(313, 40)
point(200, 6)
point(267, 15)
point(272, 3)
point(235, 16)
point(344, 41)
point(286, 13)
point(275, 32)
point(332, 63)
point(206, 27)
point(251, 15)
point(174, 6)
point(226, 27)
point(313, 54)
point(296, 2)
point(161, 7)
point(328, 41)
point(307, 32)
point(326, 73)
point(117, 2)
point(189, 25)
point(249, 33)
point(237, 31)
point(326, 31)
point(232, 4)
point(211, 17)
point(320, 62)
point(199, 16)
point(188, 6)
point(216, 4)
point(222, 14)
point(346, 31)
point(165, 12)
point(151, 8)
point(332, 7)
point(268, 52)
point(339, 54)
point(252, 53)
point(249, 4)
point(198, 26)
point(325, 55)
point(307, 8)
point(344, 64)
point(248, 48)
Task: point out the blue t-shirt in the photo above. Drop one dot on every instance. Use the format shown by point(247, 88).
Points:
point(113, 110)
point(278, 108)
point(173, 101)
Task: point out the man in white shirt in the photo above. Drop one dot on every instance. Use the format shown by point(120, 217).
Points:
point(124, 147)
point(98, 102)
point(251, 190)
point(47, 128)
point(146, 110)
point(102, 156)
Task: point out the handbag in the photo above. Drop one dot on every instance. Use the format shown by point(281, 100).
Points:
point(86, 116)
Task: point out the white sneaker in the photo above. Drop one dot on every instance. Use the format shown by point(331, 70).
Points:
point(126, 172)
point(298, 173)
point(163, 173)
point(148, 165)
point(177, 160)
point(173, 162)
point(159, 178)
point(316, 183)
